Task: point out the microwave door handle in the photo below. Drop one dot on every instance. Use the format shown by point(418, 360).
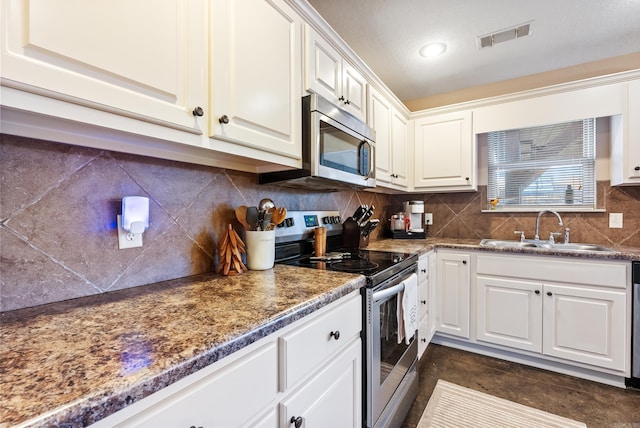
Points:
point(369, 158)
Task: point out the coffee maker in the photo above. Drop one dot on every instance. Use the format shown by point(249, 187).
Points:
point(409, 224)
point(415, 211)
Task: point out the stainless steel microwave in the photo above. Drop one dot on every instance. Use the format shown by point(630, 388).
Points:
point(338, 150)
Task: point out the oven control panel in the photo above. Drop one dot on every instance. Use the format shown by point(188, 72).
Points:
point(300, 225)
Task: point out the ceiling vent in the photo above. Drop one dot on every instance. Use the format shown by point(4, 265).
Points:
point(516, 32)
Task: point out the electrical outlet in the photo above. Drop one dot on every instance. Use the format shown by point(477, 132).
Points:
point(428, 218)
point(128, 239)
point(615, 220)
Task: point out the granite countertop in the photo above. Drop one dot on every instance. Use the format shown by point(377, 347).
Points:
point(421, 246)
point(74, 362)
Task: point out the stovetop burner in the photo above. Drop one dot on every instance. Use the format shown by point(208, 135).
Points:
point(358, 265)
point(366, 262)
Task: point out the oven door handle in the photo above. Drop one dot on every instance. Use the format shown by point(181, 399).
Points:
point(387, 292)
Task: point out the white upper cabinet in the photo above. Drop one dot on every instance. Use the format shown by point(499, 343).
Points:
point(625, 140)
point(142, 59)
point(391, 141)
point(445, 153)
point(328, 74)
point(256, 72)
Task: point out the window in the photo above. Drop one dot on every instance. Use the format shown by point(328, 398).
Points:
point(545, 166)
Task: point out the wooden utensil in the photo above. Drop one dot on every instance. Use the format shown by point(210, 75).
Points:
point(277, 217)
point(241, 215)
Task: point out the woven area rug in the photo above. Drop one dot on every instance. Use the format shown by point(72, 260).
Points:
point(454, 406)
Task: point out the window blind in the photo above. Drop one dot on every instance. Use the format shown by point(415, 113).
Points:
point(544, 166)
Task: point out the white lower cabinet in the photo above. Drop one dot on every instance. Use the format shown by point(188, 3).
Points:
point(509, 312)
point(574, 310)
point(427, 300)
point(311, 369)
point(585, 325)
point(453, 293)
point(331, 398)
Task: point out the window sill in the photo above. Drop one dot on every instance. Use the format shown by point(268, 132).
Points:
point(536, 210)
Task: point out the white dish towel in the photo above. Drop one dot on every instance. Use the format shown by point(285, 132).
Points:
point(410, 306)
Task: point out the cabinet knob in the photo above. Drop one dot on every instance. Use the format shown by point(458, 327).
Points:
point(347, 102)
point(198, 111)
point(464, 262)
point(424, 302)
point(637, 168)
point(423, 270)
point(224, 119)
point(297, 422)
point(466, 178)
point(341, 99)
point(549, 293)
point(335, 334)
point(538, 292)
point(423, 340)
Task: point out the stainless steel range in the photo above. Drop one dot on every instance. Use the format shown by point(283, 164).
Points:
point(390, 358)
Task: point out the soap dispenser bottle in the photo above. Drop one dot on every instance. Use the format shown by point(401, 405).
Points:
point(568, 195)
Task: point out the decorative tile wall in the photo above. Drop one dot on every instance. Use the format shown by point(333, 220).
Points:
point(58, 207)
point(458, 215)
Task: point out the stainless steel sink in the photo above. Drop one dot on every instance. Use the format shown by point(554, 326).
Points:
point(506, 244)
point(577, 247)
point(543, 245)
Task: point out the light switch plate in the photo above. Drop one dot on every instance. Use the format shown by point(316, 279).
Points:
point(126, 239)
point(615, 220)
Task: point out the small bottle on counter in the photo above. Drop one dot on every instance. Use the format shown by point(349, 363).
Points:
point(568, 195)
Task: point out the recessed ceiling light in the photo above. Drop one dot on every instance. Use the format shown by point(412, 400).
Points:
point(433, 49)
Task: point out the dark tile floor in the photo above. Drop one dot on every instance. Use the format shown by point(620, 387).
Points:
point(593, 403)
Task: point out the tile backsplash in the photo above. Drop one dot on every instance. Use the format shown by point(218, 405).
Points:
point(58, 207)
point(458, 215)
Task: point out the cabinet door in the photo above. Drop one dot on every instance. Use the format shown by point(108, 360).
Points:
point(354, 91)
point(380, 112)
point(323, 67)
point(332, 397)
point(586, 325)
point(400, 149)
point(141, 59)
point(509, 312)
point(256, 65)
point(453, 289)
point(633, 140)
point(445, 153)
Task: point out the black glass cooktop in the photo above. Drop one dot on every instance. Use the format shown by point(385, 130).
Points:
point(365, 262)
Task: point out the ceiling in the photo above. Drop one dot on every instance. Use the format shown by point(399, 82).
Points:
point(387, 35)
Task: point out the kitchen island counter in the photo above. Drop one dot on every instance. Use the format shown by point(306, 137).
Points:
point(72, 363)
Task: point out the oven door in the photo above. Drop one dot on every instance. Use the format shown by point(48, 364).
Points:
point(388, 359)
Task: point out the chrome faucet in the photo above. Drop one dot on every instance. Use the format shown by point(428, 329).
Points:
point(537, 237)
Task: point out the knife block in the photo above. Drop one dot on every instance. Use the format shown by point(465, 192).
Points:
point(350, 234)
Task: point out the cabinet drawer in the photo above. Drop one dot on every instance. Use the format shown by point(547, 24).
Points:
point(423, 268)
point(213, 399)
point(579, 271)
point(310, 345)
